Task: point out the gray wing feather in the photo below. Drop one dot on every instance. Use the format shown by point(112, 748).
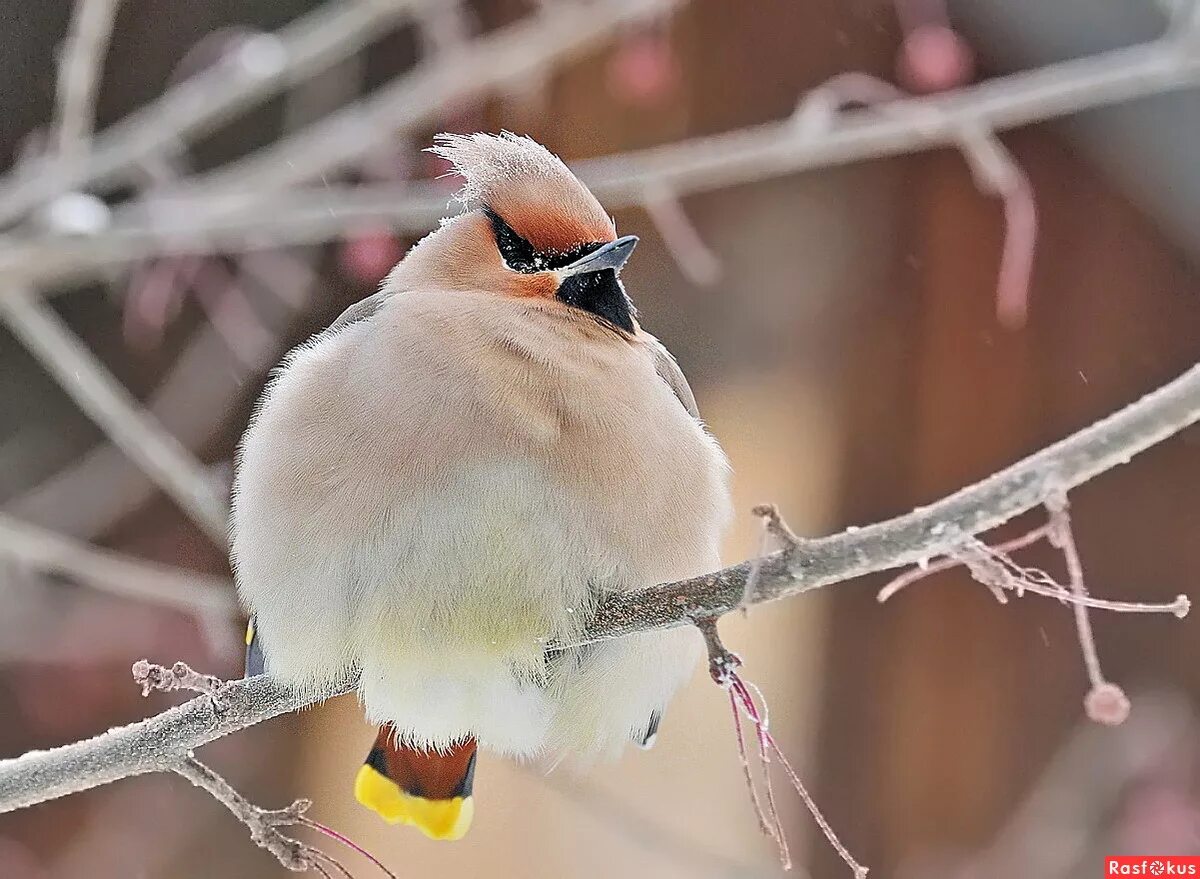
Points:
point(361, 310)
point(668, 371)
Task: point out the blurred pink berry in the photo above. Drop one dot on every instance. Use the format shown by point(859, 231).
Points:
point(934, 58)
point(1107, 703)
point(368, 258)
point(644, 70)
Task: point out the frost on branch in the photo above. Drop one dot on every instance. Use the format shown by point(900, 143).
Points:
point(180, 676)
point(265, 824)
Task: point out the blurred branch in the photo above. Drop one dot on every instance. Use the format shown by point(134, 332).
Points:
point(115, 573)
point(115, 410)
point(242, 216)
point(997, 172)
point(160, 742)
point(909, 125)
point(532, 45)
point(264, 66)
point(79, 71)
point(101, 487)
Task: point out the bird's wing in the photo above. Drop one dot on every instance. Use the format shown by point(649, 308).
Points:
point(361, 310)
point(668, 371)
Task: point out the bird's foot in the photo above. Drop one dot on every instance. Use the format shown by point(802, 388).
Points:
point(722, 662)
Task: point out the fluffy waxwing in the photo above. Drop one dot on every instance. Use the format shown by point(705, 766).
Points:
point(441, 486)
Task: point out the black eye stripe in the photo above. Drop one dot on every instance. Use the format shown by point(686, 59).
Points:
point(520, 255)
point(517, 252)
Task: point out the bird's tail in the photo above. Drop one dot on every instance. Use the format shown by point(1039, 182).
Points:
point(427, 789)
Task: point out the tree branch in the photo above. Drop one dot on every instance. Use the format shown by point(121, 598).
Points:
point(79, 73)
point(195, 106)
point(925, 532)
point(532, 45)
point(161, 742)
point(156, 744)
point(264, 824)
point(88, 495)
point(106, 401)
point(115, 573)
point(251, 218)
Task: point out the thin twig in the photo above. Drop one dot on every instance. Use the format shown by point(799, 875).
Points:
point(106, 401)
point(79, 70)
point(1106, 702)
point(347, 842)
point(992, 566)
point(152, 677)
point(723, 667)
point(264, 824)
point(695, 259)
point(994, 169)
point(157, 742)
point(925, 568)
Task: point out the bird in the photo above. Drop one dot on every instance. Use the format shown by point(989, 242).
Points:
point(435, 492)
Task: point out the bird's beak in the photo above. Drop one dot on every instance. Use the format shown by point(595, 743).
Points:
point(611, 256)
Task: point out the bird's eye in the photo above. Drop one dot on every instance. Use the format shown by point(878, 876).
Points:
point(516, 251)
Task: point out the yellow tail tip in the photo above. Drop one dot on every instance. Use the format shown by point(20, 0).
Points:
point(437, 819)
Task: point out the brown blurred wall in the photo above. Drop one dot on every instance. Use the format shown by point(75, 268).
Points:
point(941, 707)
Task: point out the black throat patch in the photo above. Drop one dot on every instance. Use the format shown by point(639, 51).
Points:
point(602, 294)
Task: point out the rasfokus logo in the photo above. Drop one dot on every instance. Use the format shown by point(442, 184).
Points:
point(1152, 865)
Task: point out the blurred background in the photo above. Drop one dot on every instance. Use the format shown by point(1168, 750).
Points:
point(839, 327)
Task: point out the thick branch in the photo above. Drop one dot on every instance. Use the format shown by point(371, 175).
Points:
point(156, 744)
point(160, 742)
point(925, 532)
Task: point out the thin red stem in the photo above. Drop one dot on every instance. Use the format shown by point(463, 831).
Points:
point(346, 841)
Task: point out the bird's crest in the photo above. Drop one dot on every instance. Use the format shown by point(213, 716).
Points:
point(529, 187)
